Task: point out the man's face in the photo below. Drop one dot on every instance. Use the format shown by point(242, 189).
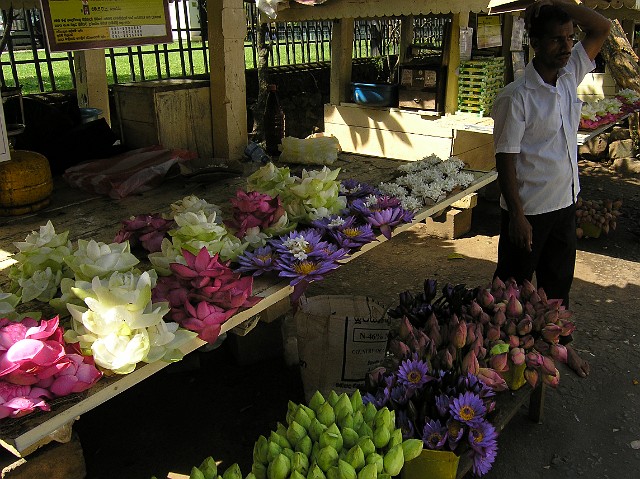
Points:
point(553, 48)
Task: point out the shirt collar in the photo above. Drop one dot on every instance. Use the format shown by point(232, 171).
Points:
point(533, 80)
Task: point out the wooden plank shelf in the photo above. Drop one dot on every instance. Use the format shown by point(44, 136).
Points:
point(97, 217)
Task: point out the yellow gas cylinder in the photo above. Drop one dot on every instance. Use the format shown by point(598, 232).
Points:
point(25, 183)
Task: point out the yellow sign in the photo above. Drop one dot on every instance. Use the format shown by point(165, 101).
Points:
point(85, 24)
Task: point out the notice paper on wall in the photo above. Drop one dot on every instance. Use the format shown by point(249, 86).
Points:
point(489, 31)
point(466, 43)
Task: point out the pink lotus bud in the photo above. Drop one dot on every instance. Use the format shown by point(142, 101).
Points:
point(548, 366)
point(493, 333)
point(432, 323)
point(558, 352)
point(551, 333)
point(517, 356)
point(499, 362)
point(565, 313)
point(541, 346)
point(453, 320)
point(406, 328)
point(510, 328)
point(529, 309)
point(497, 284)
point(551, 316)
point(514, 341)
point(446, 360)
point(568, 327)
point(459, 336)
point(539, 322)
point(514, 308)
point(485, 299)
point(435, 337)
point(552, 379)
point(453, 351)
point(554, 304)
point(470, 363)
point(471, 333)
point(527, 289)
point(525, 326)
point(499, 318)
point(399, 349)
point(492, 379)
point(534, 298)
point(484, 318)
point(477, 344)
point(531, 375)
point(533, 359)
point(512, 291)
point(475, 309)
point(542, 295)
point(526, 342)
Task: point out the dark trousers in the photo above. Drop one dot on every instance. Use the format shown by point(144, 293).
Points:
point(553, 255)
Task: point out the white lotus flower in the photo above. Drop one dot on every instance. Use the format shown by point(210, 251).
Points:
point(94, 258)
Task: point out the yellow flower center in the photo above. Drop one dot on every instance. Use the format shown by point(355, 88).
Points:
point(477, 436)
point(414, 377)
point(305, 267)
point(467, 413)
point(264, 257)
point(351, 232)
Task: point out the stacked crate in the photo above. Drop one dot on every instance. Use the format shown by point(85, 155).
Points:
point(478, 84)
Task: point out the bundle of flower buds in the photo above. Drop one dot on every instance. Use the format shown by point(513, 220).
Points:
point(594, 217)
point(334, 438)
point(209, 470)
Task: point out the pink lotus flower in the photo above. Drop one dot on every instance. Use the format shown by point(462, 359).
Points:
point(17, 401)
point(254, 209)
point(146, 230)
point(202, 270)
point(235, 294)
point(78, 375)
point(492, 379)
point(558, 352)
point(205, 319)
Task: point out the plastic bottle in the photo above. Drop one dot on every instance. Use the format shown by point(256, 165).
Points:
point(273, 122)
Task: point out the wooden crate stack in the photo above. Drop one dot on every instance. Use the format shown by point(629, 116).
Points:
point(479, 82)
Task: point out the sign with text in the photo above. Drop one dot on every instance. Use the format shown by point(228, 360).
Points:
point(85, 24)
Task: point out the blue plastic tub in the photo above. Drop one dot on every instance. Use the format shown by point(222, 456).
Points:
point(375, 94)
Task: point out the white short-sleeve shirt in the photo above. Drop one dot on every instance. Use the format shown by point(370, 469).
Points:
point(540, 122)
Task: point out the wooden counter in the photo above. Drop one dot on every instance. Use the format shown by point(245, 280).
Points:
point(95, 217)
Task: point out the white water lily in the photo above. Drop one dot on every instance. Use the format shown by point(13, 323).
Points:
point(94, 258)
point(629, 95)
point(8, 303)
point(120, 326)
point(41, 285)
point(194, 204)
point(167, 255)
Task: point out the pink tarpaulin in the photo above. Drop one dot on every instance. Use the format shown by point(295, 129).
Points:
point(131, 172)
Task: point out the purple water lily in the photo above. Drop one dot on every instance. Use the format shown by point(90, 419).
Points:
point(434, 435)
point(468, 408)
point(261, 260)
point(353, 189)
point(413, 373)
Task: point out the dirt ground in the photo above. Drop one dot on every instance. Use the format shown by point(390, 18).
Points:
point(217, 403)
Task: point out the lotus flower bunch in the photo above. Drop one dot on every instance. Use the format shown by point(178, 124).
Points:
point(630, 99)
point(146, 231)
point(8, 303)
point(194, 204)
point(270, 180)
point(97, 259)
point(208, 469)
point(120, 325)
point(34, 366)
point(203, 293)
point(346, 231)
point(40, 264)
point(446, 410)
point(381, 212)
point(257, 211)
point(600, 112)
point(336, 437)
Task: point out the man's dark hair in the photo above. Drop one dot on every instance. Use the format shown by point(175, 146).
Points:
point(548, 15)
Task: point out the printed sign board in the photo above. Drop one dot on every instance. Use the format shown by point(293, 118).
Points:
point(85, 24)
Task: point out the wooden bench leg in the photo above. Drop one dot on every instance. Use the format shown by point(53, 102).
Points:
point(536, 403)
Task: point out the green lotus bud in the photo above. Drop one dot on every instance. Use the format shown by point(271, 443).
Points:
point(281, 429)
point(300, 463)
point(331, 437)
point(377, 459)
point(396, 438)
point(296, 475)
point(392, 422)
point(280, 439)
point(315, 449)
point(368, 472)
point(384, 475)
point(315, 473)
point(367, 445)
point(315, 429)
point(369, 413)
point(288, 452)
point(249, 476)
point(332, 398)
point(273, 449)
point(295, 432)
point(304, 446)
point(358, 420)
point(259, 470)
point(291, 410)
point(345, 418)
point(196, 473)
point(355, 457)
point(260, 450)
point(411, 448)
point(356, 400)
point(349, 437)
point(232, 472)
point(343, 404)
point(365, 430)
point(327, 457)
point(302, 417)
point(209, 468)
point(326, 415)
point(279, 468)
point(310, 412)
point(394, 460)
point(347, 471)
point(381, 437)
point(317, 400)
point(333, 473)
point(383, 418)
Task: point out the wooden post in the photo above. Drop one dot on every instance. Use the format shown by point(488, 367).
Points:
point(341, 60)
point(91, 81)
point(452, 59)
point(227, 31)
point(406, 39)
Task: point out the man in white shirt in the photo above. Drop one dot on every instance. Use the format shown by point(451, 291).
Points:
point(535, 124)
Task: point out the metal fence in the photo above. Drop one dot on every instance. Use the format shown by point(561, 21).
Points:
point(27, 61)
